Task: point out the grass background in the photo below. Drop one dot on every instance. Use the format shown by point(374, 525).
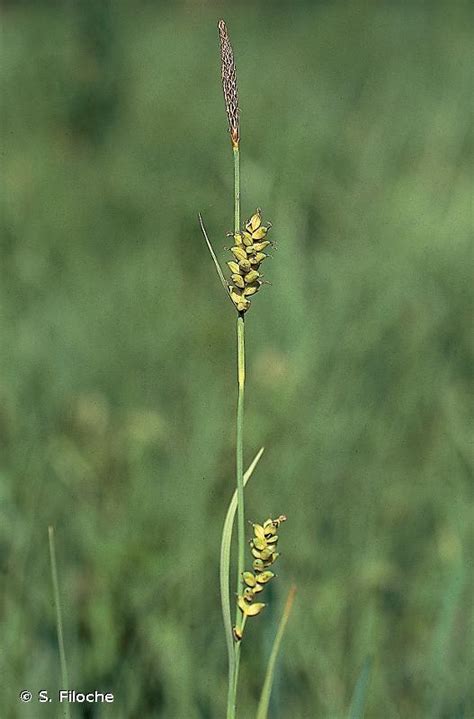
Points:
point(117, 351)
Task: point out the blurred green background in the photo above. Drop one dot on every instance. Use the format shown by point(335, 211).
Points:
point(118, 351)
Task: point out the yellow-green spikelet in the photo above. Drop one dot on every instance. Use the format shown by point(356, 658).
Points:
point(263, 545)
point(248, 256)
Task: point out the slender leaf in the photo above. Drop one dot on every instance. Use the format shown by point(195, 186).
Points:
point(59, 618)
point(357, 707)
point(443, 639)
point(225, 563)
point(264, 703)
point(214, 257)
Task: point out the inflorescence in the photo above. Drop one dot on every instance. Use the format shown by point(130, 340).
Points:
point(249, 255)
point(229, 84)
point(263, 546)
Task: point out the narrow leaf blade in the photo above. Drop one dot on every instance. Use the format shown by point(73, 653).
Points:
point(214, 256)
point(359, 697)
point(225, 564)
point(264, 702)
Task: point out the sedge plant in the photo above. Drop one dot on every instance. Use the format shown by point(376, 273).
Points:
point(250, 242)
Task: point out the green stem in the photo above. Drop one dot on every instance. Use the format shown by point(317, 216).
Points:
point(232, 697)
point(59, 619)
point(239, 456)
point(235, 151)
point(237, 662)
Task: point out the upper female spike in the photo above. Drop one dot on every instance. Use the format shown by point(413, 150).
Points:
point(246, 277)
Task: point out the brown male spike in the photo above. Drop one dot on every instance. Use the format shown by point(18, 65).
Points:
point(229, 83)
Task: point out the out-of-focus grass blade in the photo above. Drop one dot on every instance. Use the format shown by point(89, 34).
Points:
point(225, 563)
point(460, 713)
point(59, 618)
point(214, 257)
point(359, 697)
point(264, 702)
point(443, 636)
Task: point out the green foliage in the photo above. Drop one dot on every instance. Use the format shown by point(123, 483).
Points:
point(117, 359)
point(265, 696)
point(359, 698)
point(225, 563)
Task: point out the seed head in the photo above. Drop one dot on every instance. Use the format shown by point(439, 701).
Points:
point(248, 256)
point(262, 546)
point(229, 83)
